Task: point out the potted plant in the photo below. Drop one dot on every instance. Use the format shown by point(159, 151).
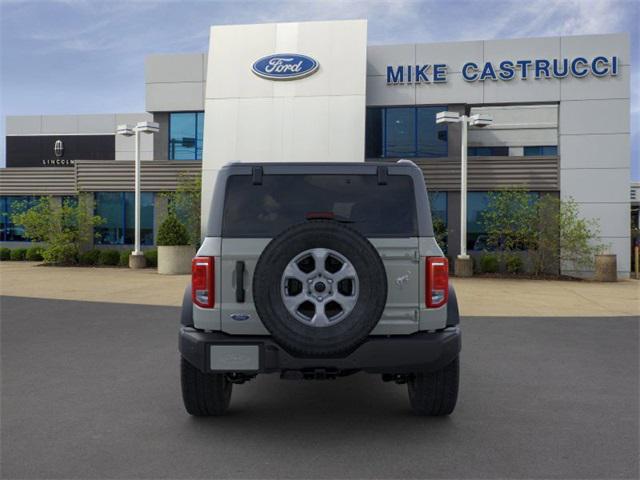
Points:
point(606, 265)
point(174, 251)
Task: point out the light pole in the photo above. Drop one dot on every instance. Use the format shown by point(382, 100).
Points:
point(136, 259)
point(463, 264)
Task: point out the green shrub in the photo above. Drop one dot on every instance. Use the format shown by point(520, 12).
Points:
point(489, 263)
point(152, 258)
point(63, 227)
point(513, 264)
point(109, 257)
point(34, 254)
point(172, 232)
point(5, 254)
point(90, 257)
point(61, 254)
point(18, 254)
point(124, 258)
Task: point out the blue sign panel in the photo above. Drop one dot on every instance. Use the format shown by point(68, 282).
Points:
point(285, 66)
point(578, 67)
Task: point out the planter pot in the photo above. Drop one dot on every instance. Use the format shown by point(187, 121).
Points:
point(175, 260)
point(606, 268)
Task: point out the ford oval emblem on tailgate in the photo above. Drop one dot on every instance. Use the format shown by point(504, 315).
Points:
point(240, 316)
point(285, 66)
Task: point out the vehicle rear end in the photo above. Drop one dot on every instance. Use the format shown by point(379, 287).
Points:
point(319, 271)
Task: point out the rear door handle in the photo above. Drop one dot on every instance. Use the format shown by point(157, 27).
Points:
point(240, 281)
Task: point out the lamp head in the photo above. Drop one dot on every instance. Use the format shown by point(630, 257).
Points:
point(480, 120)
point(148, 127)
point(124, 129)
point(447, 117)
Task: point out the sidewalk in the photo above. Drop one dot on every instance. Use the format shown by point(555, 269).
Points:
point(476, 296)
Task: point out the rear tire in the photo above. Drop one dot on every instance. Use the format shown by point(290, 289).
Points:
point(204, 394)
point(435, 394)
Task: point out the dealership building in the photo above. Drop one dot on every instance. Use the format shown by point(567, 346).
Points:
point(560, 108)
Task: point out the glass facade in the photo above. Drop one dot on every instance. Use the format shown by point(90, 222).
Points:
point(477, 203)
point(117, 209)
point(488, 151)
point(438, 204)
point(9, 232)
point(541, 151)
point(399, 132)
point(185, 135)
point(439, 214)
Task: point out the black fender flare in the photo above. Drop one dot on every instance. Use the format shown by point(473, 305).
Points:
point(453, 313)
point(186, 314)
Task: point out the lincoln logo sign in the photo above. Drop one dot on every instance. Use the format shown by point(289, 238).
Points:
point(505, 70)
point(58, 148)
point(285, 66)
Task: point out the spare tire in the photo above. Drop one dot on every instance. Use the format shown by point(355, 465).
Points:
point(319, 288)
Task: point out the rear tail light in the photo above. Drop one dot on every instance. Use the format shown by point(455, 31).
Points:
point(437, 288)
point(202, 281)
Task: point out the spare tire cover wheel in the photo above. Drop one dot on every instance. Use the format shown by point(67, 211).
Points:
point(320, 288)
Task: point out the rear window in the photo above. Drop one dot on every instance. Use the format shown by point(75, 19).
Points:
point(284, 200)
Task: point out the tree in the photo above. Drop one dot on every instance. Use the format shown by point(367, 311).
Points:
point(550, 229)
point(509, 220)
point(440, 232)
point(172, 232)
point(184, 203)
point(63, 227)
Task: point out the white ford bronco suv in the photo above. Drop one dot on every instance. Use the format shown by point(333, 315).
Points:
point(320, 270)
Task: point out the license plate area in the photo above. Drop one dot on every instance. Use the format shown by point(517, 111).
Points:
point(234, 358)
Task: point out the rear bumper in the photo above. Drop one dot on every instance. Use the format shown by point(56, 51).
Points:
point(395, 354)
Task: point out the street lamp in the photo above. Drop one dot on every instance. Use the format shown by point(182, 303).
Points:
point(136, 259)
point(463, 265)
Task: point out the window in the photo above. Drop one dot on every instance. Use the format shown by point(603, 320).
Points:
point(488, 151)
point(263, 211)
point(185, 135)
point(405, 132)
point(541, 151)
point(9, 232)
point(477, 203)
point(117, 209)
point(438, 204)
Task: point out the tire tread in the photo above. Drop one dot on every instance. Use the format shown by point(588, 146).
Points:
point(204, 394)
point(435, 393)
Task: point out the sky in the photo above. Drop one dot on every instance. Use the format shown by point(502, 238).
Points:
point(87, 56)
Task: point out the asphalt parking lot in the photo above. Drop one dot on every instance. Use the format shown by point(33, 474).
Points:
point(91, 390)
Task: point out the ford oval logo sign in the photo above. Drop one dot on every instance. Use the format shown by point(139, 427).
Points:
point(285, 66)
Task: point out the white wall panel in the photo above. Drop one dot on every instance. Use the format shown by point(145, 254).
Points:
point(596, 185)
point(252, 119)
point(593, 45)
point(379, 93)
point(379, 56)
point(594, 117)
point(453, 54)
point(591, 87)
point(520, 91)
point(521, 49)
point(23, 125)
point(174, 97)
point(455, 90)
point(174, 68)
point(59, 124)
point(613, 218)
point(595, 151)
